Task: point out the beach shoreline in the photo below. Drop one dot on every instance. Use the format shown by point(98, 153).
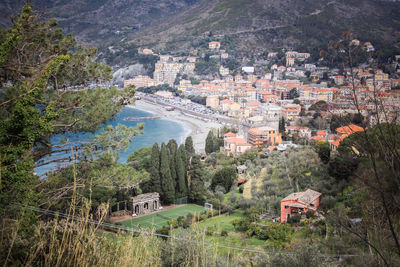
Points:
point(195, 127)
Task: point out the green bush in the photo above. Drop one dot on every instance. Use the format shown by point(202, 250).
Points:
point(241, 188)
point(294, 219)
point(279, 234)
point(310, 214)
point(210, 231)
point(224, 232)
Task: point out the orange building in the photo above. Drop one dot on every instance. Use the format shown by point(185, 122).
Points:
point(264, 136)
point(299, 203)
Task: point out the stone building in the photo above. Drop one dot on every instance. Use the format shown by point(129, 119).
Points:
point(145, 203)
point(141, 204)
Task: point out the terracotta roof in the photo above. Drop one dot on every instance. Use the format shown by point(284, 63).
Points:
point(230, 134)
point(321, 133)
point(318, 137)
point(307, 196)
point(349, 129)
point(237, 141)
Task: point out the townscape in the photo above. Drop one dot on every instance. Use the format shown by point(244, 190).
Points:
point(284, 155)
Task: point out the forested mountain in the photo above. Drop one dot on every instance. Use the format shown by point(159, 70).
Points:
point(252, 25)
point(97, 21)
point(258, 25)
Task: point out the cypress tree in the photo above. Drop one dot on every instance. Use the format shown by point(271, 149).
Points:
point(196, 173)
point(181, 187)
point(189, 146)
point(282, 125)
point(185, 161)
point(167, 185)
point(172, 148)
point(154, 184)
point(210, 143)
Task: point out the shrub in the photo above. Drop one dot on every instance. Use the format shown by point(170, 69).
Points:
point(224, 232)
point(294, 219)
point(210, 231)
point(203, 217)
point(310, 214)
point(279, 234)
point(241, 188)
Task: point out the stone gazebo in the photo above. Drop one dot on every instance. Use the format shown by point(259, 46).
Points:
point(145, 203)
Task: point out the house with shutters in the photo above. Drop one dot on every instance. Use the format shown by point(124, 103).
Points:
point(299, 203)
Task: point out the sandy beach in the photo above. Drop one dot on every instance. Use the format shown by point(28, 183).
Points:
point(195, 127)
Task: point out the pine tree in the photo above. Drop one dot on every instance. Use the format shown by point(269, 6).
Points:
point(181, 187)
point(155, 183)
point(196, 173)
point(189, 146)
point(167, 184)
point(210, 143)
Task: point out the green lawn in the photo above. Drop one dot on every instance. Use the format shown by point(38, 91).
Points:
point(159, 219)
point(234, 239)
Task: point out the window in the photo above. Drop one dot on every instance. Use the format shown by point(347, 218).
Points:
point(286, 207)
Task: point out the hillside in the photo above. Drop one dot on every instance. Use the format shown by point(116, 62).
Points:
point(97, 21)
point(250, 26)
point(258, 24)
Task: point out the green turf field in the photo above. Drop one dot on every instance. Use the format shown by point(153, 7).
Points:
point(159, 219)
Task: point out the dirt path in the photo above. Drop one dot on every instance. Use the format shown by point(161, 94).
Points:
point(255, 179)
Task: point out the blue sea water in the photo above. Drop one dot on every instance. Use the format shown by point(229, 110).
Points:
point(157, 130)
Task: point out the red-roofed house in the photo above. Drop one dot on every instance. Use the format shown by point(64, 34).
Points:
point(230, 134)
point(235, 145)
point(345, 131)
point(299, 203)
point(349, 129)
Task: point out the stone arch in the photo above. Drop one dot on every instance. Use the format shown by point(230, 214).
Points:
point(137, 209)
point(155, 204)
point(146, 206)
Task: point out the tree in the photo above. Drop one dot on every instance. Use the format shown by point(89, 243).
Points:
point(154, 184)
point(189, 146)
point(42, 68)
point(172, 148)
point(181, 188)
point(141, 158)
point(196, 177)
point(324, 151)
point(210, 142)
point(225, 177)
point(282, 125)
point(167, 185)
point(375, 182)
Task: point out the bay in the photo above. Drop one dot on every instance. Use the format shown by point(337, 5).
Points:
point(155, 130)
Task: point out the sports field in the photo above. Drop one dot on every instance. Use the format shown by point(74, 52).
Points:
point(159, 219)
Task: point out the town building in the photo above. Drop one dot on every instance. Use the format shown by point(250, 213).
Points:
point(264, 136)
point(291, 111)
point(141, 81)
point(164, 94)
point(212, 101)
point(214, 45)
point(235, 145)
point(302, 131)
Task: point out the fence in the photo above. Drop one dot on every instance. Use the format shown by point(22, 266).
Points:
point(182, 200)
